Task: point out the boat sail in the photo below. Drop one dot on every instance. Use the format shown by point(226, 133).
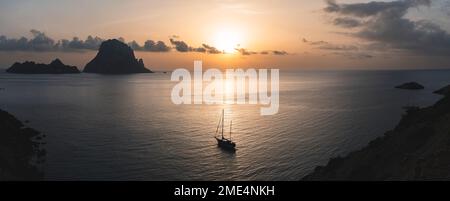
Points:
point(223, 142)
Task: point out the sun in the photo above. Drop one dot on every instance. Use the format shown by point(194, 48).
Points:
point(227, 41)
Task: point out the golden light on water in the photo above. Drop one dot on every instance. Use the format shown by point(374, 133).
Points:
point(229, 87)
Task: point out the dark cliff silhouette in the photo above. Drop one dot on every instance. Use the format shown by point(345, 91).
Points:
point(115, 57)
point(443, 91)
point(20, 150)
point(55, 67)
point(418, 148)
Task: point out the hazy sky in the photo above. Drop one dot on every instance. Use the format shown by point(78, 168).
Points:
point(287, 34)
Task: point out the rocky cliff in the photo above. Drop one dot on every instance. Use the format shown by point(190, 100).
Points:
point(55, 67)
point(20, 150)
point(115, 57)
point(418, 148)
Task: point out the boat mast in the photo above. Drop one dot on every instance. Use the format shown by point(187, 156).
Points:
point(218, 124)
point(231, 123)
point(223, 115)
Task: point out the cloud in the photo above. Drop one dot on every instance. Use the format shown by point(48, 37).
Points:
point(338, 47)
point(13, 44)
point(197, 49)
point(91, 43)
point(121, 39)
point(354, 55)
point(150, 46)
point(159, 46)
point(180, 46)
point(314, 42)
point(324, 45)
point(246, 52)
point(346, 22)
point(373, 8)
point(279, 52)
point(41, 42)
point(385, 25)
point(135, 46)
point(211, 50)
point(445, 7)
point(350, 51)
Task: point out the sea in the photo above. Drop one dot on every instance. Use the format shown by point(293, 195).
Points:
point(125, 127)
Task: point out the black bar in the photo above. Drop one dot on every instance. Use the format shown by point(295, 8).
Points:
point(155, 190)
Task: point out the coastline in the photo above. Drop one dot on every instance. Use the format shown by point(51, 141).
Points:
point(20, 150)
point(418, 148)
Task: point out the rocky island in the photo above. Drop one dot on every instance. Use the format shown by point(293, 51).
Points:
point(418, 148)
point(410, 86)
point(55, 67)
point(115, 57)
point(20, 150)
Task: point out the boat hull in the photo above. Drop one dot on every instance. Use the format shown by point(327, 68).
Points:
point(226, 144)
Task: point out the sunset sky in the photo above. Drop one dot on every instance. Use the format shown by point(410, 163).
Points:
point(286, 34)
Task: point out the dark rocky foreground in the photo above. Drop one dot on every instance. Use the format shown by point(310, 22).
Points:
point(115, 57)
point(55, 67)
point(443, 91)
point(20, 150)
point(418, 148)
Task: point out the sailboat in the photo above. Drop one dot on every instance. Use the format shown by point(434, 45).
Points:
point(223, 142)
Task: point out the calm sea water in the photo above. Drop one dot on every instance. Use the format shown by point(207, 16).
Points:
point(126, 127)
